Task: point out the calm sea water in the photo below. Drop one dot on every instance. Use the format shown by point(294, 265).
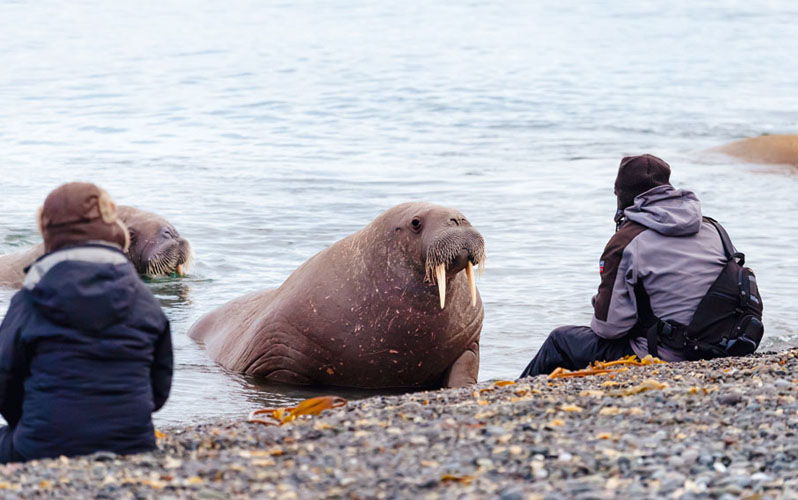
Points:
point(266, 131)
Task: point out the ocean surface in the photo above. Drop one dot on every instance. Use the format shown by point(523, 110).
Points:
point(265, 131)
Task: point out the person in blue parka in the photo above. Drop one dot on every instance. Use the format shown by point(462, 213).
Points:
point(85, 349)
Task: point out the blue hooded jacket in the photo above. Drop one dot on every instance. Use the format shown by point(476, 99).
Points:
point(85, 356)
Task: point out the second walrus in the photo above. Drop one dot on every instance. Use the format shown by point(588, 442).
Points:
point(776, 149)
point(156, 249)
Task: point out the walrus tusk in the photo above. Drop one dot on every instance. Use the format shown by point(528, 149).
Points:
point(179, 270)
point(440, 274)
point(471, 283)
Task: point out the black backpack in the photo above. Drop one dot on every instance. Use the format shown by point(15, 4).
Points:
point(727, 322)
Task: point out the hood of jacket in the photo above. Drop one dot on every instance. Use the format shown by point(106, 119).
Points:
point(667, 210)
point(89, 287)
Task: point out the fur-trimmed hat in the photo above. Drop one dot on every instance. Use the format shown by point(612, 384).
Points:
point(77, 213)
point(638, 174)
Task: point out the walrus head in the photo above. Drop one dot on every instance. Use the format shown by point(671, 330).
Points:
point(156, 248)
point(445, 244)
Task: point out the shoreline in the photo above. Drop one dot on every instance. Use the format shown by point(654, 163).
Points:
point(721, 429)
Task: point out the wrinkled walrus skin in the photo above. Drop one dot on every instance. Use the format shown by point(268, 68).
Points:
point(156, 249)
point(770, 149)
point(365, 312)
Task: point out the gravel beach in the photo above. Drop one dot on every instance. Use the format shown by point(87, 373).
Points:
point(722, 429)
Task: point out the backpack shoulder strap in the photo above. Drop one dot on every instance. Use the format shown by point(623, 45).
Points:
point(646, 320)
point(728, 248)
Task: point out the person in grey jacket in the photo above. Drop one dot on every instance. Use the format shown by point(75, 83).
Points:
point(662, 246)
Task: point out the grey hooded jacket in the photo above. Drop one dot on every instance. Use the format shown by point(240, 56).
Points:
point(666, 246)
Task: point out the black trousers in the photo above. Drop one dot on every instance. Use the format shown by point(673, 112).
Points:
point(573, 348)
point(7, 451)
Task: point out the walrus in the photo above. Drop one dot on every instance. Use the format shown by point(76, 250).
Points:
point(156, 249)
point(764, 149)
point(393, 305)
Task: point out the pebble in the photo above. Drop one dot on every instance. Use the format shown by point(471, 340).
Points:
point(104, 456)
point(211, 494)
point(731, 398)
point(419, 440)
point(512, 493)
point(690, 456)
point(676, 462)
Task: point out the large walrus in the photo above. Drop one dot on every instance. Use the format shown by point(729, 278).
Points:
point(156, 248)
point(764, 149)
point(386, 307)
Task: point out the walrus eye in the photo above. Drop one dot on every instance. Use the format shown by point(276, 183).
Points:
point(416, 223)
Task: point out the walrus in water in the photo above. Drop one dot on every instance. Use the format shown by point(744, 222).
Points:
point(393, 305)
point(764, 149)
point(156, 249)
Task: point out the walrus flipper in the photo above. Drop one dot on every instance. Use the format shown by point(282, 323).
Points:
point(464, 370)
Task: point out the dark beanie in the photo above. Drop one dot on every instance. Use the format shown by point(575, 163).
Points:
point(638, 174)
point(79, 212)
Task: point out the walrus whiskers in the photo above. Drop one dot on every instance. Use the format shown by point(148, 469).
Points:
point(444, 251)
point(162, 265)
